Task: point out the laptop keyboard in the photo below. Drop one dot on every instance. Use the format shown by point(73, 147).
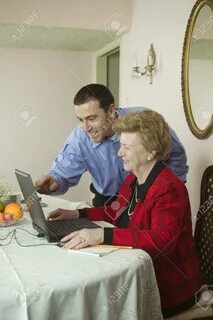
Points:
point(68, 226)
point(61, 227)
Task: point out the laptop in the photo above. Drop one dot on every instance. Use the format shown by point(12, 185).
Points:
point(53, 230)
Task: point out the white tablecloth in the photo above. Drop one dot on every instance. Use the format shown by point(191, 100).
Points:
point(50, 283)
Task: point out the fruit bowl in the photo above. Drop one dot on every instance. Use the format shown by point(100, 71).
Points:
point(12, 213)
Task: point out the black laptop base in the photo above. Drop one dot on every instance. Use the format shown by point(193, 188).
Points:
point(57, 229)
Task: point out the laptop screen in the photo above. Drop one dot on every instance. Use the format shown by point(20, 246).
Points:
point(31, 198)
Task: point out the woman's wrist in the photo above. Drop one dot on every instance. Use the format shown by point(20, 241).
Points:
point(82, 213)
point(108, 235)
point(77, 214)
point(102, 235)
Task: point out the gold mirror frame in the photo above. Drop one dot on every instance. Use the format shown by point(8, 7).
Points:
point(205, 133)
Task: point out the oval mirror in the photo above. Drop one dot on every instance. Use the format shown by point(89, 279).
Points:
point(197, 70)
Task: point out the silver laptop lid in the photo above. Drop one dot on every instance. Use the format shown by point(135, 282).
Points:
point(31, 198)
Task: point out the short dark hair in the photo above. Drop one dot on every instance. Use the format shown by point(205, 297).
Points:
point(95, 91)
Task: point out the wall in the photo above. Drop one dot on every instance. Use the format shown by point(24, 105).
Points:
point(163, 23)
point(36, 104)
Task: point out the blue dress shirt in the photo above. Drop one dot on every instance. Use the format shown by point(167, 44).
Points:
point(81, 154)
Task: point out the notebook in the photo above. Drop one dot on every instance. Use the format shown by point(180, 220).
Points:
point(94, 251)
point(53, 230)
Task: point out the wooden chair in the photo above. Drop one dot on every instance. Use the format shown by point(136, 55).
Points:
point(204, 247)
point(204, 227)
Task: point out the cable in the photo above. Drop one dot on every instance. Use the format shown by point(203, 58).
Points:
point(29, 245)
point(32, 234)
point(7, 235)
point(6, 244)
point(32, 245)
point(14, 236)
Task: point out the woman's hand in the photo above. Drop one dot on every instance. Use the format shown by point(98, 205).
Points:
point(83, 238)
point(60, 214)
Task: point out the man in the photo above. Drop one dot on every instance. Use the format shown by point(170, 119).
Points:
point(93, 147)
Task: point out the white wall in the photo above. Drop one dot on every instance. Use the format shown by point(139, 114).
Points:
point(163, 23)
point(36, 109)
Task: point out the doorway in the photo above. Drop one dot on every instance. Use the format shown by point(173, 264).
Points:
point(107, 71)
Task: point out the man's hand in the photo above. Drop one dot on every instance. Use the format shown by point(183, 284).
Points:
point(83, 238)
point(46, 185)
point(60, 214)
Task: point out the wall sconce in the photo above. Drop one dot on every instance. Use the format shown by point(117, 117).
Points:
point(149, 68)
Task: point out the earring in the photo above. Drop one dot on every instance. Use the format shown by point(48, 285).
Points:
point(148, 158)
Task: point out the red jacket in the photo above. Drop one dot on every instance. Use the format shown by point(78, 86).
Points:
point(160, 225)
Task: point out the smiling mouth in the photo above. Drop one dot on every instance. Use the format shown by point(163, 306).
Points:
point(93, 135)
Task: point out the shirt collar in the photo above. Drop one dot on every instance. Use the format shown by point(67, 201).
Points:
point(144, 188)
point(114, 138)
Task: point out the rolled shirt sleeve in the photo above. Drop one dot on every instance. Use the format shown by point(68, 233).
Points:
point(69, 165)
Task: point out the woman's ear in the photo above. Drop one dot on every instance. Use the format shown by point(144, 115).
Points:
point(151, 155)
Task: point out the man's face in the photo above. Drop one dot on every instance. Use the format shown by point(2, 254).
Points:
point(94, 120)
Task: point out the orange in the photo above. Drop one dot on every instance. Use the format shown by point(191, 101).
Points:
point(15, 210)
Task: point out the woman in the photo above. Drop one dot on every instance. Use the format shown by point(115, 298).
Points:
point(151, 212)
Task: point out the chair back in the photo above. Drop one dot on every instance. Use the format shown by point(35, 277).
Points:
point(204, 226)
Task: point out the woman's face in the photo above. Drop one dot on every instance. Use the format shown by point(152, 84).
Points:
point(132, 152)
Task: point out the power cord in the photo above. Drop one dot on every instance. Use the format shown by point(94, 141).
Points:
point(14, 236)
point(6, 244)
point(7, 235)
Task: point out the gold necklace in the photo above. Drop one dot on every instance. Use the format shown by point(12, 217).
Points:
point(134, 196)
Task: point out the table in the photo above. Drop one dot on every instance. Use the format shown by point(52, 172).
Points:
point(50, 283)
